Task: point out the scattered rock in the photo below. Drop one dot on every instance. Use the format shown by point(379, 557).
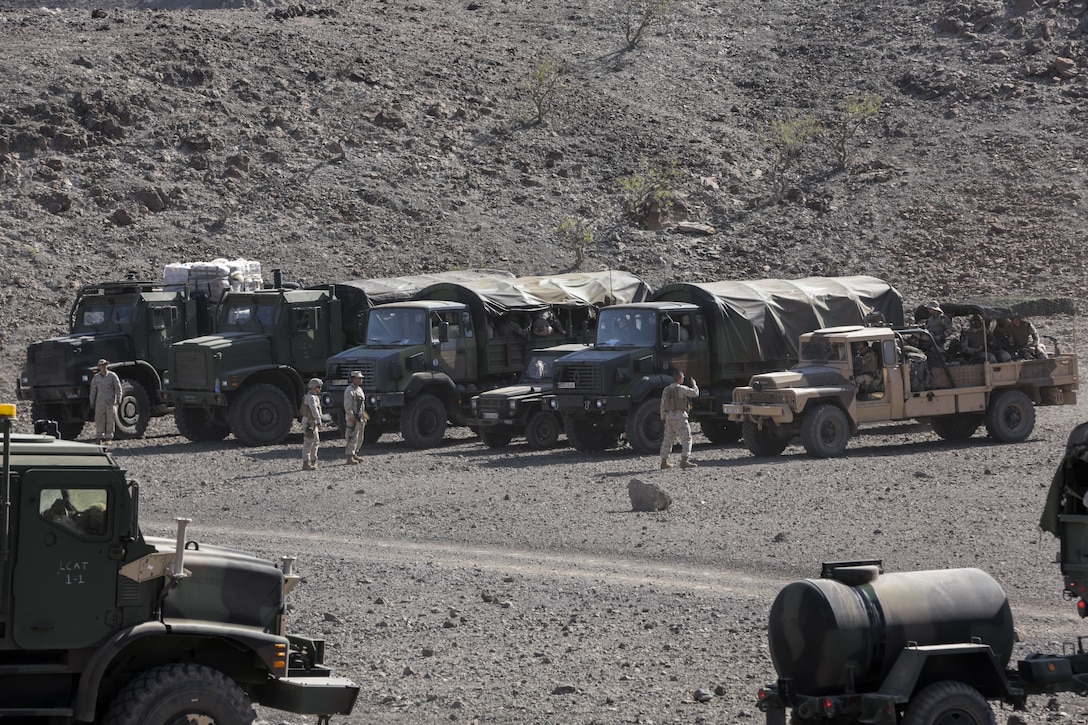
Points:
point(647, 496)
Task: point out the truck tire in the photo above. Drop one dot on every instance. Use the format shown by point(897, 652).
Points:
point(542, 430)
point(494, 436)
point(644, 428)
point(180, 693)
point(720, 431)
point(68, 429)
point(589, 435)
point(825, 431)
point(423, 423)
point(134, 412)
point(949, 702)
point(1010, 416)
point(762, 442)
point(193, 425)
point(261, 415)
point(955, 427)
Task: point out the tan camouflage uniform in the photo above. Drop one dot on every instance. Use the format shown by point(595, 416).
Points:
point(311, 422)
point(355, 417)
point(674, 411)
point(105, 397)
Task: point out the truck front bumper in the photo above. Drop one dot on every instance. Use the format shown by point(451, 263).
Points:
point(587, 404)
point(187, 398)
point(758, 412)
point(315, 695)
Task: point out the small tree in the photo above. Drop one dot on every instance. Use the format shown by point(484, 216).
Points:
point(648, 190)
point(853, 112)
point(576, 235)
point(786, 140)
point(544, 85)
point(640, 15)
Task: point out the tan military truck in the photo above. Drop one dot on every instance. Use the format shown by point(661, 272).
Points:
point(850, 376)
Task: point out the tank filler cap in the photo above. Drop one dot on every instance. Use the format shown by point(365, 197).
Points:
point(853, 573)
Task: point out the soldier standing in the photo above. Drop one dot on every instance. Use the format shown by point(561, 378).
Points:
point(674, 412)
point(311, 421)
point(105, 397)
point(355, 416)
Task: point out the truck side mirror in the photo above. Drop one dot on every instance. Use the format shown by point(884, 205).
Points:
point(673, 332)
point(443, 332)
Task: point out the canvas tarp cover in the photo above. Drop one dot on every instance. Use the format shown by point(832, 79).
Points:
point(534, 294)
point(761, 320)
point(599, 289)
point(359, 295)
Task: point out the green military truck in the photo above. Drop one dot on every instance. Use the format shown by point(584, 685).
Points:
point(516, 410)
point(249, 378)
point(830, 393)
point(925, 647)
point(130, 323)
point(100, 624)
point(424, 360)
point(719, 333)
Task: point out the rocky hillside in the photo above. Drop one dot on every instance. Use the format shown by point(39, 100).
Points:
point(372, 137)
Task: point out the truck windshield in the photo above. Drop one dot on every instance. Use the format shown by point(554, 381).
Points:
point(397, 326)
point(820, 350)
point(103, 315)
point(540, 368)
point(627, 328)
point(249, 314)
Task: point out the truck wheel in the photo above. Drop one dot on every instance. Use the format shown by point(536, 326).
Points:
point(193, 425)
point(178, 694)
point(955, 427)
point(825, 431)
point(494, 436)
point(423, 423)
point(134, 412)
point(645, 428)
point(261, 415)
point(721, 431)
point(589, 435)
point(762, 442)
point(949, 703)
point(1010, 416)
point(542, 430)
point(69, 429)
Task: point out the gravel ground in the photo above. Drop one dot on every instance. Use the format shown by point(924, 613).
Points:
point(468, 584)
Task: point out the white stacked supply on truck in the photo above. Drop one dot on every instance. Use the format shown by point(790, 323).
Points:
point(215, 278)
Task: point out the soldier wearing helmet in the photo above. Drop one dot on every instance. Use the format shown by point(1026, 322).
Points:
point(355, 416)
point(311, 422)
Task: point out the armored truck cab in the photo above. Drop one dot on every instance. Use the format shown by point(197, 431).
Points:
point(249, 378)
point(424, 360)
point(718, 333)
point(99, 623)
point(132, 324)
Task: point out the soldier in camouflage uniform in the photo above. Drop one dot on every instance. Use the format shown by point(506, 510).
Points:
point(674, 412)
point(311, 422)
point(105, 397)
point(355, 416)
point(1025, 339)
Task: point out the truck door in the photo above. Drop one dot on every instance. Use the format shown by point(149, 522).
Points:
point(875, 366)
point(309, 339)
point(165, 325)
point(66, 565)
point(454, 356)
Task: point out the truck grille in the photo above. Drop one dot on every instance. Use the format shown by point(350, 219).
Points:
point(368, 368)
point(50, 366)
point(579, 377)
point(493, 405)
point(190, 369)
